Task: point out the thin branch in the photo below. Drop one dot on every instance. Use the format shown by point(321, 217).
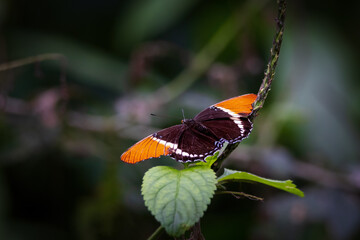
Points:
point(237, 194)
point(39, 58)
point(274, 57)
point(196, 233)
point(267, 80)
point(33, 59)
point(157, 233)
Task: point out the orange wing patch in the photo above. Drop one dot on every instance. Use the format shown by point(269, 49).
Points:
point(149, 147)
point(240, 104)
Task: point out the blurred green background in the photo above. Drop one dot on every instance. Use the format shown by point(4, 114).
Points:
point(60, 173)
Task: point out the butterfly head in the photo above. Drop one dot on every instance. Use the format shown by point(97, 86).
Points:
point(188, 121)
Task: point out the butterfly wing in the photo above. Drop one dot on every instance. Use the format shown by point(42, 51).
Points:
point(240, 106)
point(195, 145)
point(228, 119)
point(229, 130)
point(161, 143)
point(179, 142)
point(222, 122)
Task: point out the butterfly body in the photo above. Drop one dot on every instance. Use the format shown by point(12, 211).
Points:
point(195, 139)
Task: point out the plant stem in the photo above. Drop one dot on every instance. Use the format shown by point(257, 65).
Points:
point(252, 197)
point(157, 233)
point(267, 80)
point(39, 58)
point(274, 56)
point(33, 59)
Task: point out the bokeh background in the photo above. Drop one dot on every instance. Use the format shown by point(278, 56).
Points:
point(66, 119)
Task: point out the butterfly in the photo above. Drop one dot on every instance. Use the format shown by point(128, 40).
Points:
point(195, 139)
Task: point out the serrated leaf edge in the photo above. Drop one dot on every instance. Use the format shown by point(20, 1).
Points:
point(199, 208)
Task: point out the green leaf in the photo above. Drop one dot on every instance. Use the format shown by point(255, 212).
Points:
point(208, 160)
point(178, 198)
point(231, 175)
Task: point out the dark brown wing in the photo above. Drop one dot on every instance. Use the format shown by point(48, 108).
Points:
point(195, 145)
point(229, 129)
point(227, 119)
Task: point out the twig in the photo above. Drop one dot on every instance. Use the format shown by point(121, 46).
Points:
point(196, 233)
point(274, 56)
point(157, 233)
point(236, 194)
point(267, 80)
point(33, 59)
point(39, 58)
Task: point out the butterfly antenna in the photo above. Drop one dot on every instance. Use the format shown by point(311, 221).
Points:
point(163, 116)
point(183, 113)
